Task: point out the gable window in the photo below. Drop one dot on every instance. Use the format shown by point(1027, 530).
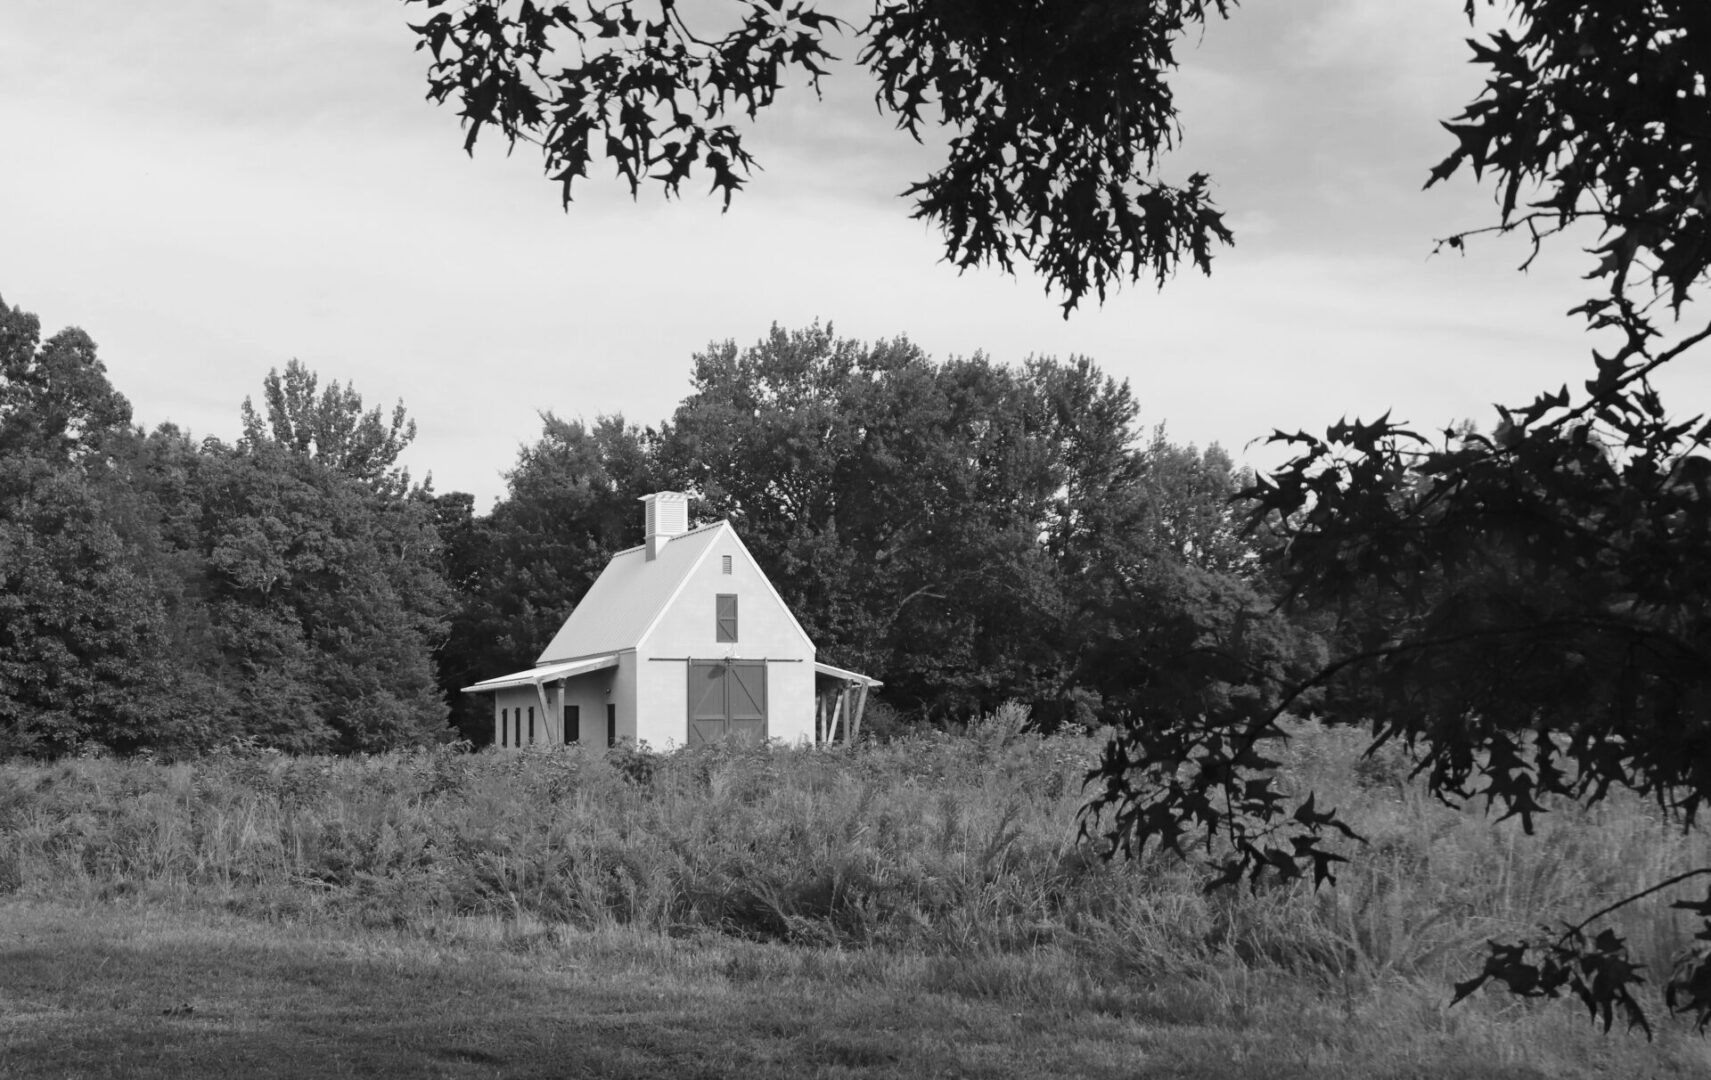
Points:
point(727, 564)
point(725, 617)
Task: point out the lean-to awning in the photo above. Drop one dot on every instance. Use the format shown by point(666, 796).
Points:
point(845, 675)
point(838, 709)
point(544, 674)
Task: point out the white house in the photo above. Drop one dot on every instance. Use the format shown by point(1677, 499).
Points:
point(680, 641)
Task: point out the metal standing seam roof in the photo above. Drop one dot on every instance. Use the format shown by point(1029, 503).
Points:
point(545, 673)
point(628, 596)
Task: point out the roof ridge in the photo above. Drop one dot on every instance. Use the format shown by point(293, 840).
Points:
point(686, 532)
point(641, 591)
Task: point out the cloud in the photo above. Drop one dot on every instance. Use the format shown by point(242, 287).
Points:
point(1322, 117)
point(199, 64)
point(214, 189)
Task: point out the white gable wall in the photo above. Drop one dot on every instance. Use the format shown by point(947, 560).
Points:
point(686, 629)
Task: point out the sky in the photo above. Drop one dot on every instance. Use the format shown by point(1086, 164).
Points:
point(212, 189)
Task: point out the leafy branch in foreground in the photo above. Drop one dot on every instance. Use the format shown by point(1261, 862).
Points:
point(1527, 611)
point(1196, 783)
point(1059, 111)
point(1603, 107)
point(1598, 971)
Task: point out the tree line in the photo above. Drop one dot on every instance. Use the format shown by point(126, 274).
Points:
point(163, 593)
point(967, 531)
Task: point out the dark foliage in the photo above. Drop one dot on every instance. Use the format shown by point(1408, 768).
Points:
point(325, 599)
point(158, 594)
point(1059, 109)
point(1527, 610)
point(973, 533)
point(331, 427)
point(87, 628)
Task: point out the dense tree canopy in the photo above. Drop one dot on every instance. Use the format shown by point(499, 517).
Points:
point(971, 532)
point(85, 642)
point(326, 601)
point(157, 593)
point(332, 428)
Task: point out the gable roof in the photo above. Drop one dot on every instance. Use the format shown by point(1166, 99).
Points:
point(630, 595)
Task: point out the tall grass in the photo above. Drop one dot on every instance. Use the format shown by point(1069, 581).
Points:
point(960, 850)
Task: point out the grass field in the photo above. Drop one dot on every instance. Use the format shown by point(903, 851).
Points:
point(915, 909)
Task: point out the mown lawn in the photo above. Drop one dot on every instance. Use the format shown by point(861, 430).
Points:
point(150, 989)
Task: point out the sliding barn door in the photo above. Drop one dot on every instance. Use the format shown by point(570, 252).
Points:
point(745, 699)
point(726, 698)
point(708, 718)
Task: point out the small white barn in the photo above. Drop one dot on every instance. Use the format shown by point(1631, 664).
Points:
point(680, 641)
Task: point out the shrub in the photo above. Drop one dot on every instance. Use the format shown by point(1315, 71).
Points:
point(959, 846)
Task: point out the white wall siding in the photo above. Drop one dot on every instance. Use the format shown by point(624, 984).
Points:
point(514, 704)
point(662, 716)
point(790, 701)
point(625, 695)
point(687, 629)
point(590, 693)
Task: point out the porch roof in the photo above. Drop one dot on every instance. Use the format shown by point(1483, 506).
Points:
point(545, 673)
point(846, 675)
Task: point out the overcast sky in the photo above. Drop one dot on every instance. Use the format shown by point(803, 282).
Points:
point(212, 188)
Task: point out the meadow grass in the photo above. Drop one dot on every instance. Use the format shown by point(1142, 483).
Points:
point(917, 908)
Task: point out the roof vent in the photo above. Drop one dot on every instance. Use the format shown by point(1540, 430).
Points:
point(667, 516)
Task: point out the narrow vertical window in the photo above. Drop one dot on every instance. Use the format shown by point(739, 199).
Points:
point(531, 725)
point(727, 564)
point(504, 727)
point(725, 618)
point(572, 723)
point(611, 724)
